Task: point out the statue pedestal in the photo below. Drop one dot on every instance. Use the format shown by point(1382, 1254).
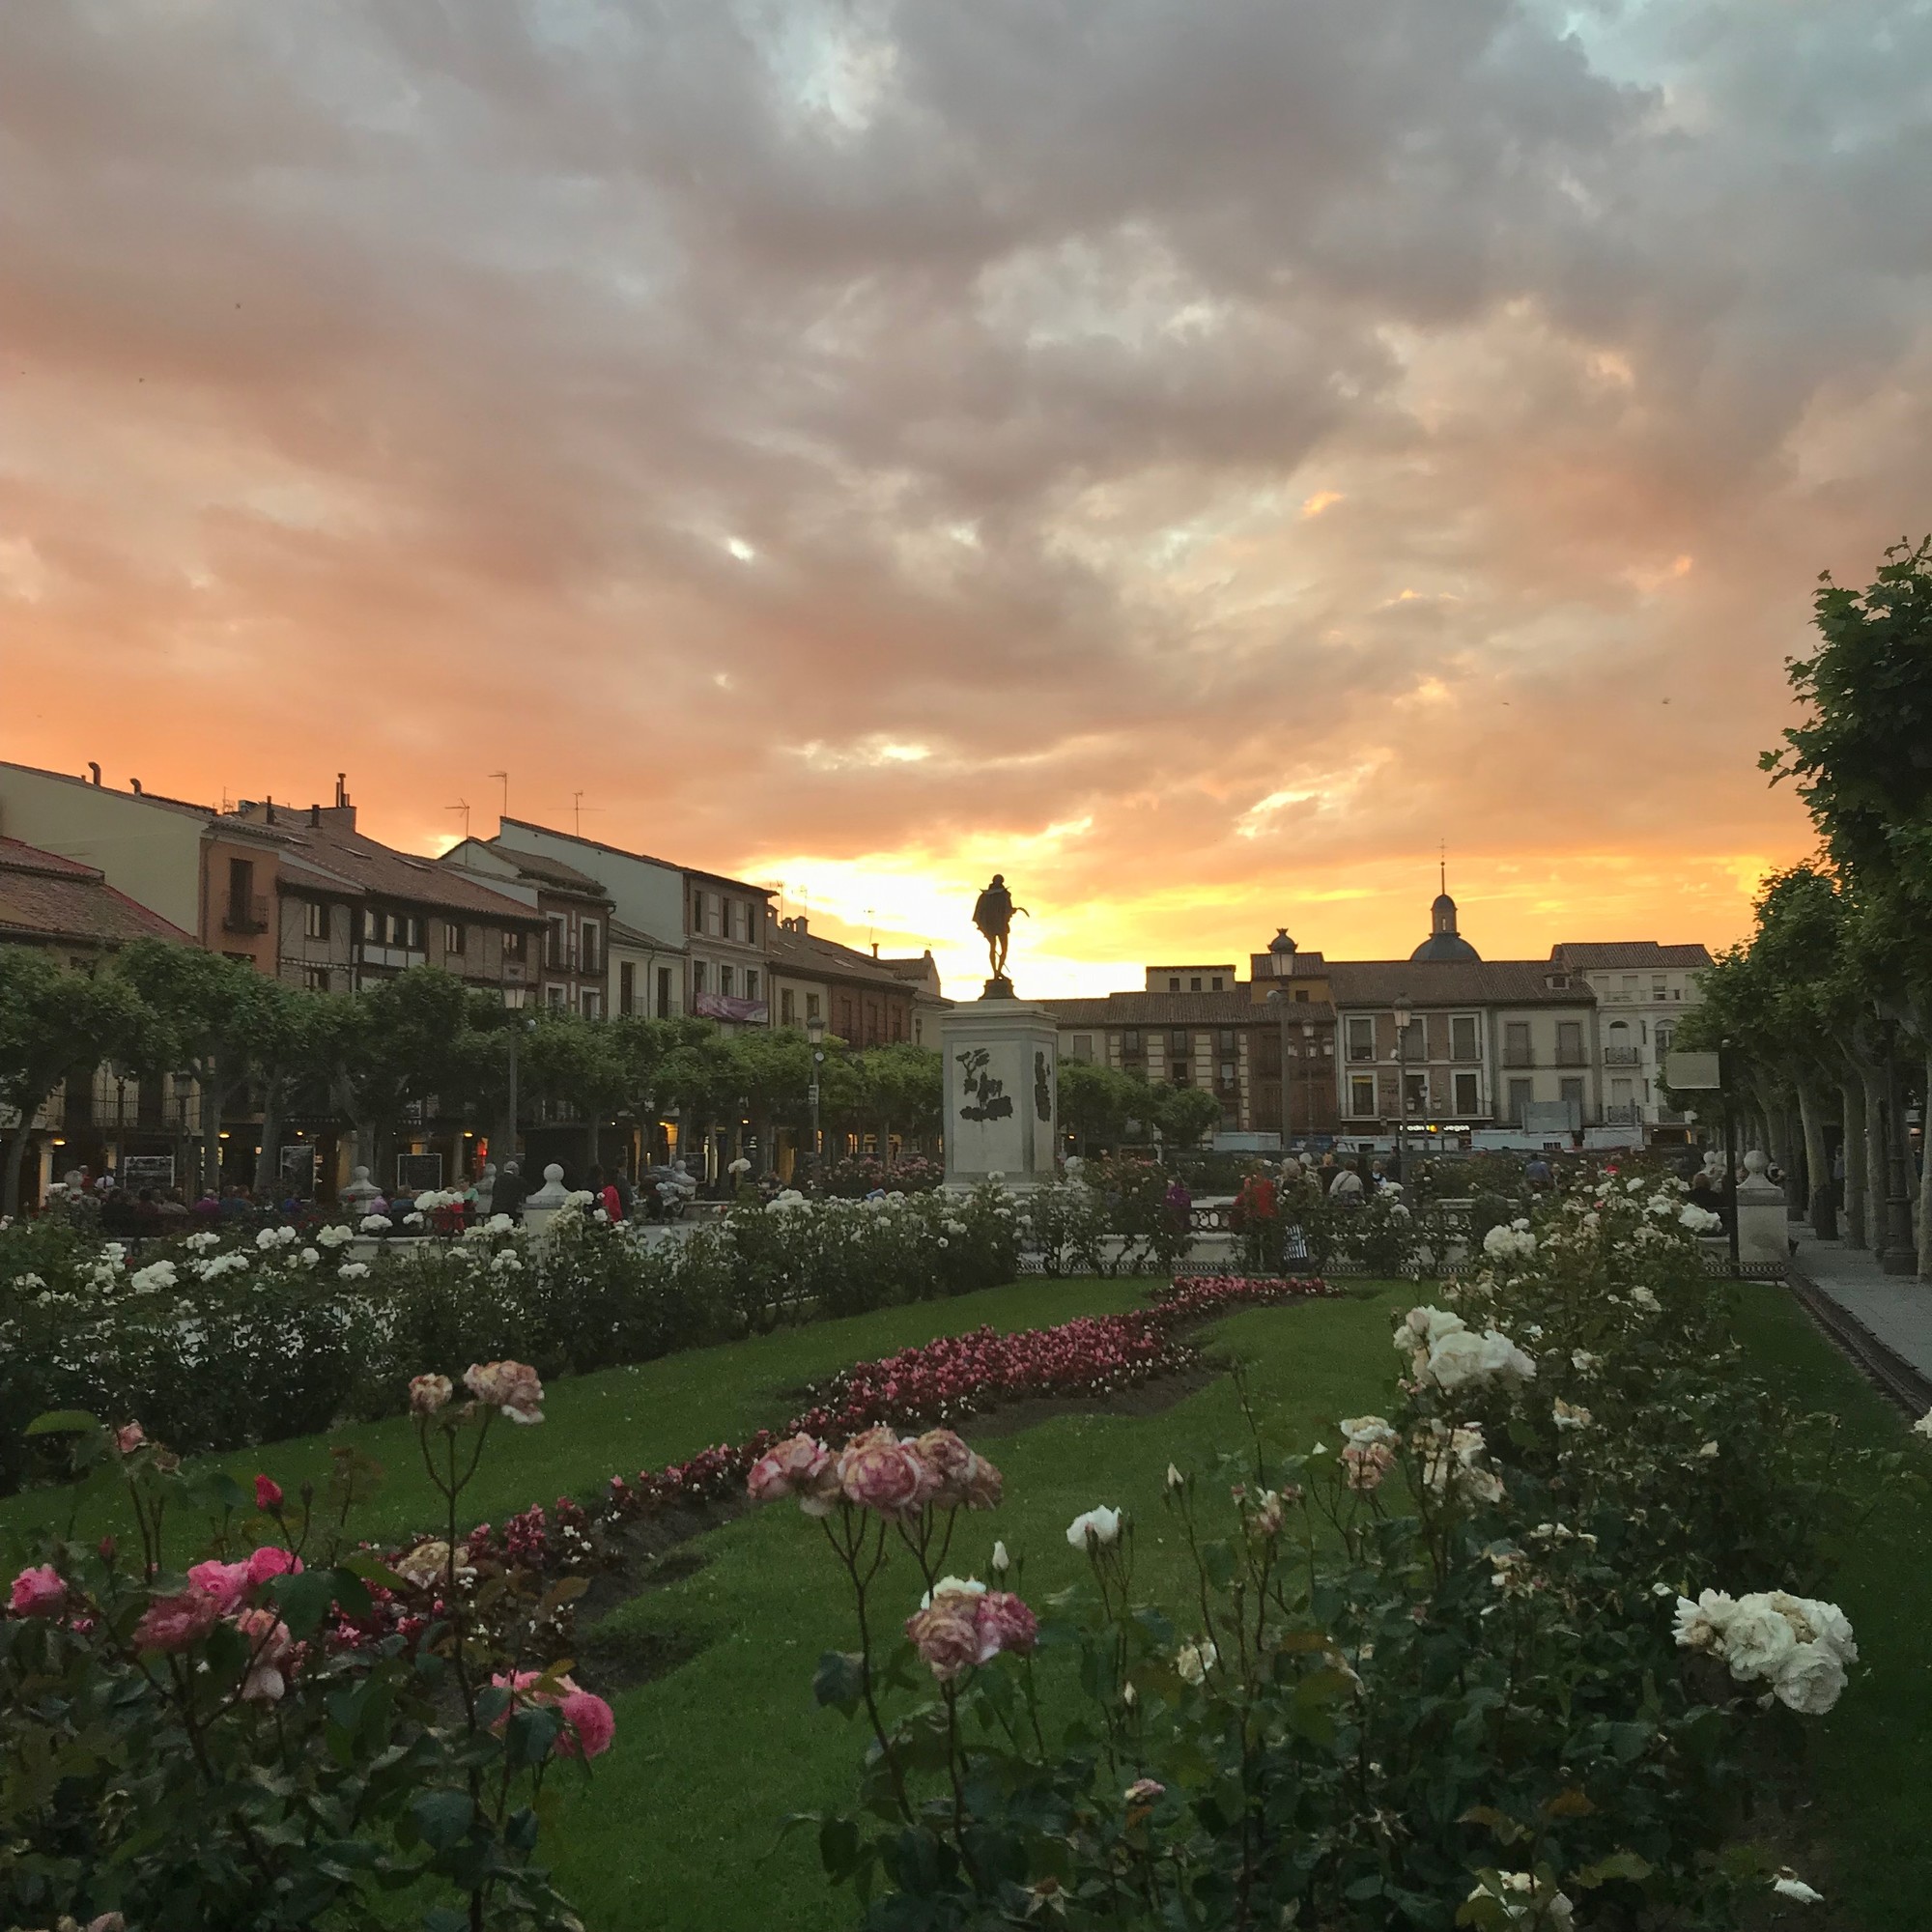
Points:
point(1002, 1070)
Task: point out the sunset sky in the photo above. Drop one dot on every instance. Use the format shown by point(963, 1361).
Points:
point(1193, 456)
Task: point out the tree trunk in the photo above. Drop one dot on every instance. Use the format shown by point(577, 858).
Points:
point(268, 1162)
point(212, 1096)
point(1852, 1095)
point(16, 1160)
point(1877, 1165)
point(1925, 1183)
point(1820, 1204)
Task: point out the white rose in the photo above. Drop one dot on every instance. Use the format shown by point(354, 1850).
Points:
point(1788, 1887)
point(374, 1224)
point(1642, 1297)
point(1810, 1679)
point(1366, 1431)
point(1193, 1661)
point(333, 1235)
point(1758, 1639)
point(1702, 1624)
point(353, 1271)
point(1095, 1528)
point(1699, 1220)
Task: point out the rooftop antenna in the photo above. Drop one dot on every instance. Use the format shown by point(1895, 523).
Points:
point(461, 805)
point(577, 810)
point(505, 811)
point(1442, 862)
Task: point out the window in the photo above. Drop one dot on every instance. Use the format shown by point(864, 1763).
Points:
point(1463, 1041)
point(1413, 1042)
point(1080, 1046)
point(555, 996)
point(240, 895)
point(1177, 1044)
point(812, 1005)
point(1227, 1039)
point(1301, 994)
point(787, 1005)
point(1468, 1097)
point(1520, 1091)
point(751, 982)
point(372, 927)
point(1217, 982)
point(725, 976)
point(1658, 984)
point(664, 992)
point(1362, 1096)
point(315, 979)
point(1569, 1042)
point(513, 946)
point(1630, 982)
point(697, 977)
point(593, 1004)
point(516, 998)
point(1664, 1034)
point(1516, 1046)
point(1174, 983)
point(1361, 1037)
point(1571, 1091)
point(592, 943)
point(1227, 1074)
point(556, 954)
point(714, 918)
point(454, 939)
point(626, 987)
point(741, 922)
point(1131, 1043)
point(1194, 984)
point(1417, 1085)
point(315, 920)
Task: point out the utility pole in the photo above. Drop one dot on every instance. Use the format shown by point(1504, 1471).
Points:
point(505, 811)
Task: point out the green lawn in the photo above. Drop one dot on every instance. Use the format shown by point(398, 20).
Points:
point(673, 1828)
point(1871, 1758)
point(622, 1420)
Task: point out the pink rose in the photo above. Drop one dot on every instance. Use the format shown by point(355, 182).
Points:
point(1365, 1465)
point(268, 1493)
point(792, 1468)
point(985, 1487)
point(429, 1393)
point(589, 1725)
point(270, 1560)
point(947, 1635)
point(950, 1461)
point(37, 1593)
point(511, 1386)
point(268, 1648)
point(879, 1472)
point(128, 1437)
point(1143, 1791)
point(226, 1582)
point(1003, 1622)
point(173, 1623)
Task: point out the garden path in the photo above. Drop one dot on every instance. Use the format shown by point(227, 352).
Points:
point(1893, 1310)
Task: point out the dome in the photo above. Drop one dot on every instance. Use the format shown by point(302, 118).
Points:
point(1444, 943)
point(1281, 941)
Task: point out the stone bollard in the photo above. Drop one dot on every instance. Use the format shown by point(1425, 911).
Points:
point(540, 1209)
point(1761, 1216)
point(359, 1194)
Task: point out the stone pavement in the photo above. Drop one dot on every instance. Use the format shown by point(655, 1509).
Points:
point(1894, 1311)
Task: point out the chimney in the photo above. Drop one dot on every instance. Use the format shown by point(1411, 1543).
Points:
point(315, 814)
point(94, 771)
point(136, 784)
point(341, 789)
point(267, 812)
point(876, 949)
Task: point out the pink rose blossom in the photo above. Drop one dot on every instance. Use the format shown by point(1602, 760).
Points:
point(589, 1725)
point(511, 1386)
point(268, 1648)
point(226, 1582)
point(128, 1437)
point(879, 1472)
point(429, 1393)
point(173, 1623)
point(268, 1493)
point(1143, 1791)
point(1004, 1623)
point(947, 1635)
point(794, 1469)
point(270, 1560)
point(37, 1593)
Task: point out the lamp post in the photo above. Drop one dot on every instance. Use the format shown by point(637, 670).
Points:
point(1403, 1013)
point(815, 1032)
point(1280, 1004)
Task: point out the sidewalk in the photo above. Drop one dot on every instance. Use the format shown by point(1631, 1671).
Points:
point(1893, 1311)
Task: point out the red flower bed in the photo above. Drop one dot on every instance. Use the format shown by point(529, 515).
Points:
point(933, 1385)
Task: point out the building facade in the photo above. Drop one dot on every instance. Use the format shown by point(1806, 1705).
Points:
point(1643, 990)
point(860, 997)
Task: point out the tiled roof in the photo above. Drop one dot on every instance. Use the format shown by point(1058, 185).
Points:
point(641, 941)
point(619, 852)
point(1596, 956)
point(1456, 982)
point(1159, 1010)
point(806, 953)
point(341, 860)
point(43, 897)
point(551, 871)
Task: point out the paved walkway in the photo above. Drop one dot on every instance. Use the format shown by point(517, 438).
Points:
point(1893, 1310)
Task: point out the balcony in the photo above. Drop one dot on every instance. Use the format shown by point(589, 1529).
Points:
point(246, 913)
point(1519, 1056)
point(1621, 1056)
point(1623, 1113)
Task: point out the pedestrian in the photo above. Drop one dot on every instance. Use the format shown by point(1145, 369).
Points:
point(1347, 1186)
point(507, 1197)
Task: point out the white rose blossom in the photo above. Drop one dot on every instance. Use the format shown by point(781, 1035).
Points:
point(1095, 1528)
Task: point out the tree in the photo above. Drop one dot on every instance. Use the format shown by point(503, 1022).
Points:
point(403, 1041)
point(55, 1024)
point(902, 1090)
point(215, 1011)
point(295, 1055)
point(1096, 1102)
point(576, 1061)
point(1184, 1114)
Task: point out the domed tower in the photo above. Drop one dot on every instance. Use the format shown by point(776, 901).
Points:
point(1444, 942)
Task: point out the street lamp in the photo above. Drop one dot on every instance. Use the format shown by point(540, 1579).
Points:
point(1403, 1013)
point(1280, 1004)
point(815, 1032)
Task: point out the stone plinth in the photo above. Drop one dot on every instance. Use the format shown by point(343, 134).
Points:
point(540, 1209)
point(1761, 1216)
point(1002, 1067)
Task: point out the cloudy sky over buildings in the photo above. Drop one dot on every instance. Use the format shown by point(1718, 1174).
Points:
point(1194, 457)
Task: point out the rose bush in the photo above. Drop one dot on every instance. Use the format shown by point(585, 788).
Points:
point(250, 1741)
point(1470, 1661)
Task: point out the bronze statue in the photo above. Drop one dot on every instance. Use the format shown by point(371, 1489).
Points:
point(993, 914)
